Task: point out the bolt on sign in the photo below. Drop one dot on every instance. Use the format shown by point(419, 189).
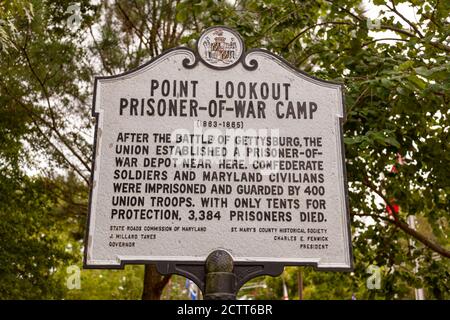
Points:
point(218, 148)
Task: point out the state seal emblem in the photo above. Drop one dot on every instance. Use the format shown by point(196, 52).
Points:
point(220, 47)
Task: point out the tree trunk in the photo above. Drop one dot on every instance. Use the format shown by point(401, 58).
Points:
point(154, 283)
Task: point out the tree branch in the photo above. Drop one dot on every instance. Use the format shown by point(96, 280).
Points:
point(53, 126)
point(140, 34)
point(102, 59)
point(410, 34)
point(346, 10)
point(69, 163)
point(313, 26)
point(412, 25)
point(404, 226)
point(34, 119)
point(382, 39)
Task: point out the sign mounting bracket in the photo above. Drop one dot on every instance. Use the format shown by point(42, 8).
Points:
point(243, 271)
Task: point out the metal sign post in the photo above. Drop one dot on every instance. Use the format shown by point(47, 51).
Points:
point(221, 156)
point(232, 275)
point(220, 281)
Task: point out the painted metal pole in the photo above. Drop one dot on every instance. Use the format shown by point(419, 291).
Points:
point(300, 284)
point(419, 293)
point(220, 279)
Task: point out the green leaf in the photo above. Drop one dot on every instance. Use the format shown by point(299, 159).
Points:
point(353, 140)
point(406, 65)
point(423, 71)
point(392, 141)
point(419, 83)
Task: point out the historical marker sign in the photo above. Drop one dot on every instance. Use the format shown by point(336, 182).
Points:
point(218, 149)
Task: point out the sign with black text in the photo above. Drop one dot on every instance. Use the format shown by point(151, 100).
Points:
point(218, 149)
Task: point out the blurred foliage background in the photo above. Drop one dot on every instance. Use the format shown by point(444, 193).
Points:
point(392, 56)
